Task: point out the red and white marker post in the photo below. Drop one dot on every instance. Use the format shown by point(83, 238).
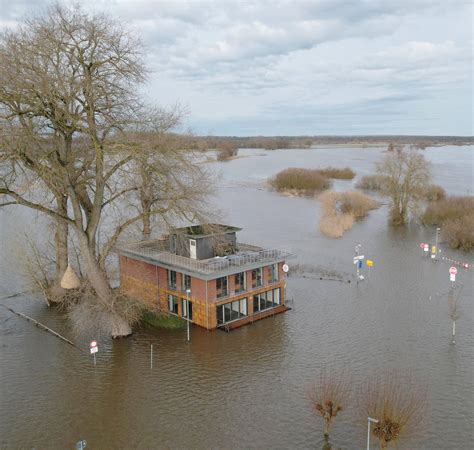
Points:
point(452, 274)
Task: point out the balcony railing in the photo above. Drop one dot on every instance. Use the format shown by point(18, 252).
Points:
point(159, 251)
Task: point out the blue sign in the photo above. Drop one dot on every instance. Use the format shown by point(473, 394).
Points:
point(359, 264)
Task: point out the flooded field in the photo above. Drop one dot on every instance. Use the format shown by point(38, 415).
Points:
point(249, 388)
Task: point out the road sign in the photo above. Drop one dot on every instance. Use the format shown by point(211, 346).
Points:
point(359, 264)
point(422, 245)
point(358, 258)
point(285, 268)
point(93, 347)
point(453, 270)
point(370, 263)
point(81, 445)
point(426, 248)
point(433, 249)
point(452, 277)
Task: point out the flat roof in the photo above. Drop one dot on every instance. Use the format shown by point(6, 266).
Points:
point(247, 257)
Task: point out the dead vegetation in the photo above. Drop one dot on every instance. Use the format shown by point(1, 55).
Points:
point(341, 209)
point(455, 216)
point(371, 183)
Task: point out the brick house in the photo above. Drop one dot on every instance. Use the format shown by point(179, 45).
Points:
point(228, 283)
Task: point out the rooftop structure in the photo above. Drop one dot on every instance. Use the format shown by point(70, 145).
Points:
point(229, 283)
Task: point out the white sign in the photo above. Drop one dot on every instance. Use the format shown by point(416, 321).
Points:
point(452, 277)
point(93, 346)
point(358, 258)
point(453, 270)
point(426, 247)
point(285, 268)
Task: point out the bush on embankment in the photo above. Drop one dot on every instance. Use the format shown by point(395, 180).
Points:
point(304, 181)
point(341, 209)
point(455, 216)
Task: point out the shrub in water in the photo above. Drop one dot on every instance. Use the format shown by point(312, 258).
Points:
point(306, 181)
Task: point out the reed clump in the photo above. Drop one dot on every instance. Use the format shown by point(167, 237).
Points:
point(341, 209)
point(372, 183)
point(339, 174)
point(455, 216)
point(304, 181)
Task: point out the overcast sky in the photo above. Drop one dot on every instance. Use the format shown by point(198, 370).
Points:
point(289, 68)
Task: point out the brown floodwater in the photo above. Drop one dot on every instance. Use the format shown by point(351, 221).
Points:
point(248, 388)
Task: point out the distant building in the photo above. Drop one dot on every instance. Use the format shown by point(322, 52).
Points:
point(230, 283)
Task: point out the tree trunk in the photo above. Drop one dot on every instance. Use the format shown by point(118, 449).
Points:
point(327, 427)
point(99, 282)
point(61, 239)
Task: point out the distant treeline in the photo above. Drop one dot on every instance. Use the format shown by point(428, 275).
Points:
point(282, 142)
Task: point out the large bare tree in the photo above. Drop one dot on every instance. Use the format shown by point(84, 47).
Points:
point(406, 176)
point(69, 91)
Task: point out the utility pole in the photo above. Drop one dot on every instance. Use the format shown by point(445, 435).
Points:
point(437, 243)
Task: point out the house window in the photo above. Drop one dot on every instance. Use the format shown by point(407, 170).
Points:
point(231, 311)
point(171, 274)
point(266, 300)
point(239, 279)
point(173, 304)
point(257, 277)
point(273, 273)
point(184, 305)
point(186, 282)
point(221, 287)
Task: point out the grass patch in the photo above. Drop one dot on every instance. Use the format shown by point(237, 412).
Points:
point(339, 174)
point(304, 181)
point(455, 216)
point(341, 209)
point(162, 320)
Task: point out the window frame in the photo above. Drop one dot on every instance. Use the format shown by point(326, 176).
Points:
point(226, 293)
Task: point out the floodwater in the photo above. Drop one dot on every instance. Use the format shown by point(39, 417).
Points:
point(248, 388)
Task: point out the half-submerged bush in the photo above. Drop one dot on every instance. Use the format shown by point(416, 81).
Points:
point(372, 182)
point(340, 174)
point(433, 193)
point(341, 209)
point(163, 320)
point(455, 216)
point(304, 181)
point(227, 153)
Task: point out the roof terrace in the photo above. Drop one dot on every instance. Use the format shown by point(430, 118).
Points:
point(246, 257)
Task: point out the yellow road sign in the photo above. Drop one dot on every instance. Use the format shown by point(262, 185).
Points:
point(369, 262)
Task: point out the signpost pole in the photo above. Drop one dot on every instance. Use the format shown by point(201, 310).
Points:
point(94, 359)
point(151, 356)
point(188, 291)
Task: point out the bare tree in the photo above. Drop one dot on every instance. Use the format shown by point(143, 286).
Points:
point(69, 89)
point(406, 174)
point(397, 403)
point(329, 396)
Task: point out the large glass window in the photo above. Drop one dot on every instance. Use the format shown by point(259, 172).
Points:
point(239, 282)
point(273, 273)
point(231, 311)
point(257, 277)
point(171, 274)
point(266, 300)
point(173, 304)
point(221, 287)
point(185, 305)
point(186, 282)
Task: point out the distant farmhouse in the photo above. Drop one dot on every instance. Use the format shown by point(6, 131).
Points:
point(228, 284)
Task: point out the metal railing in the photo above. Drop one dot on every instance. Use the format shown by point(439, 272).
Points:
point(159, 251)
